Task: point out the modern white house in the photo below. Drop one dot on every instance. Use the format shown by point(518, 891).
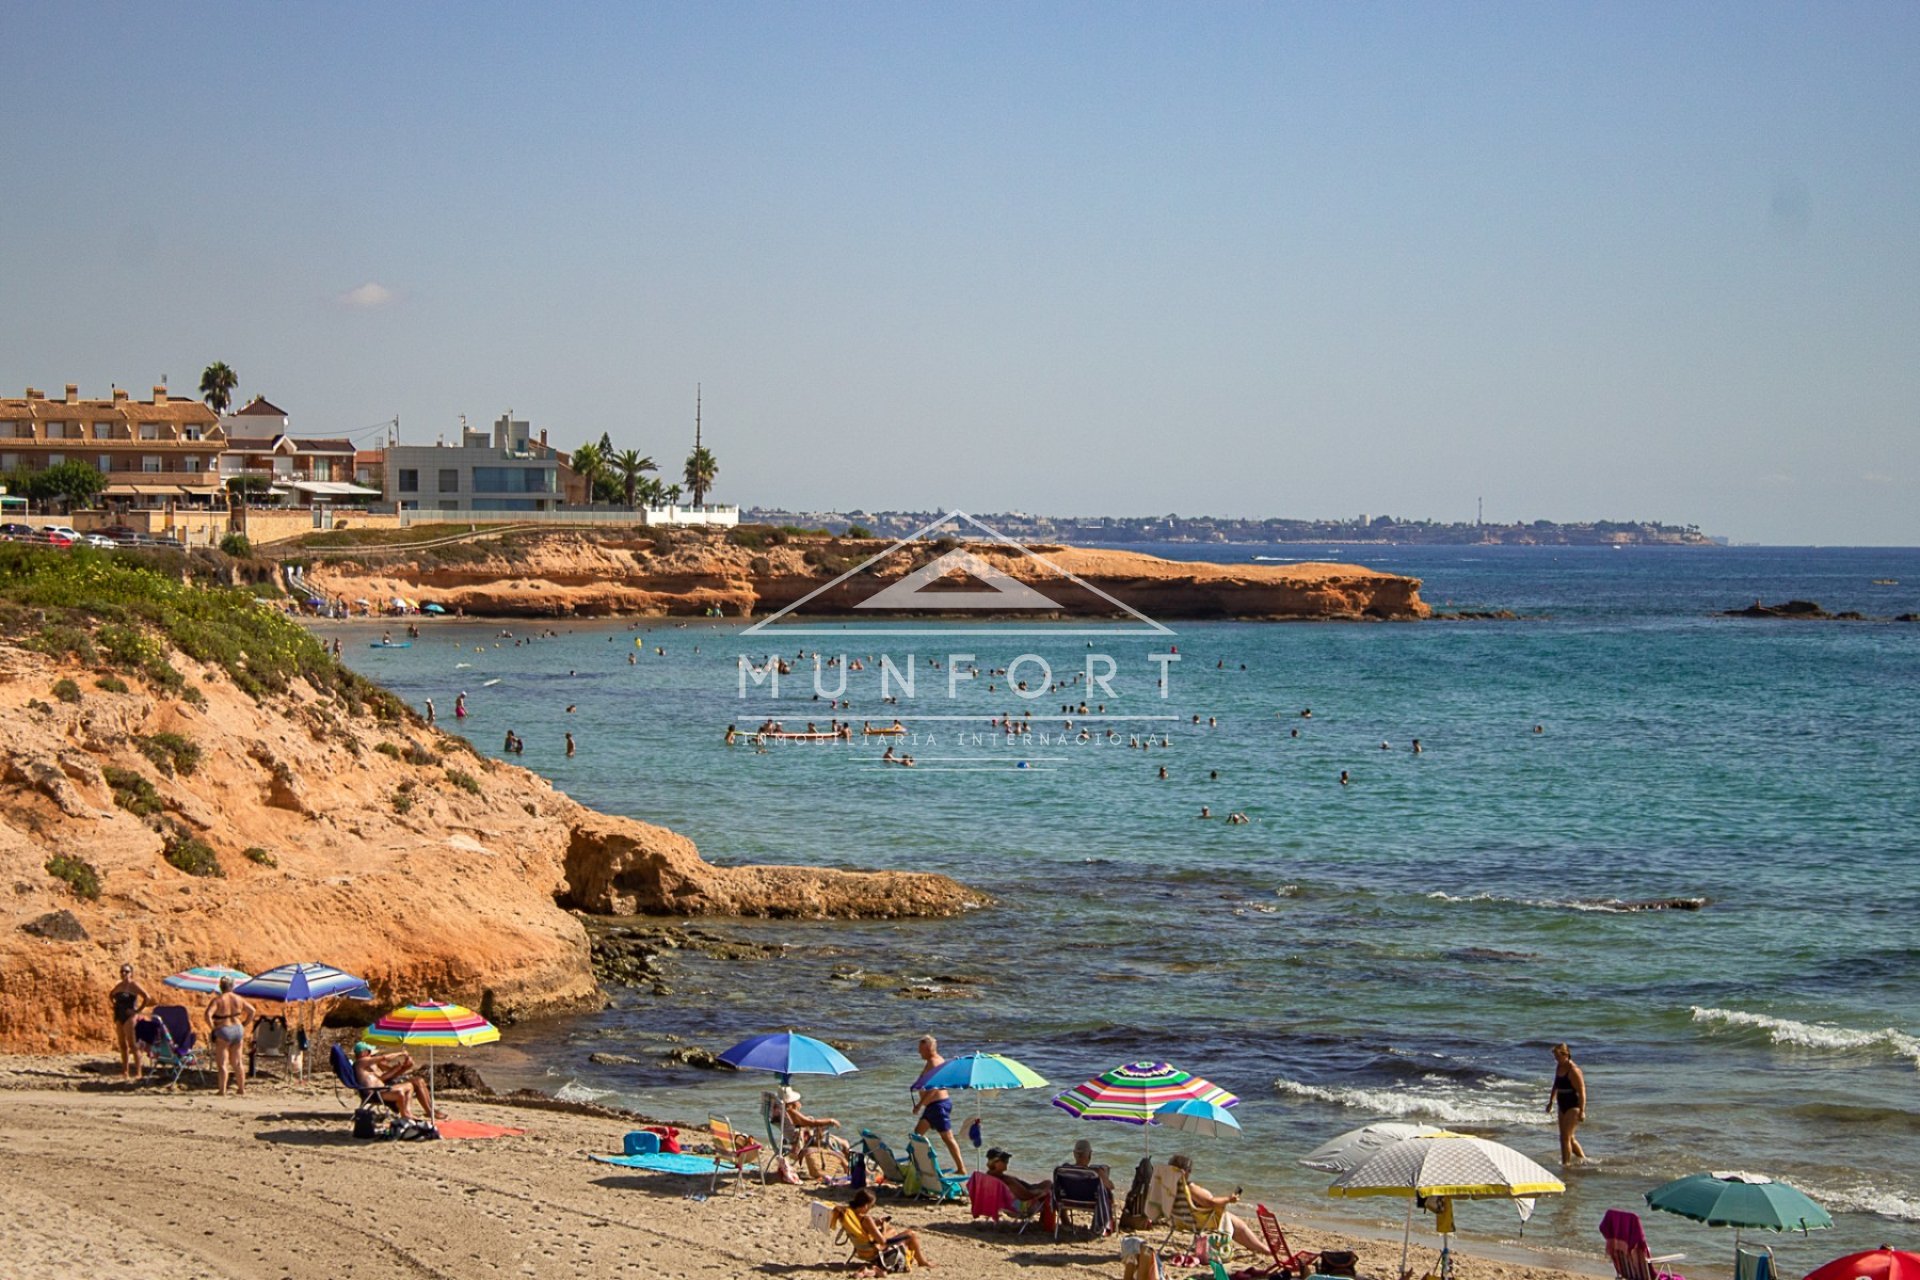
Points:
point(505, 469)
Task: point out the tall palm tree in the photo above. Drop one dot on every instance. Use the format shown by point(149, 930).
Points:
point(700, 474)
point(217, 384)
point(630, 464)
point(588, 463)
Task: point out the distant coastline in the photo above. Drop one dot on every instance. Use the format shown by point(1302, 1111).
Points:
point(1227, 531)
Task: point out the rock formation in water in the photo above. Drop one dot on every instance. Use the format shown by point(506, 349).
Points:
point(600, 573)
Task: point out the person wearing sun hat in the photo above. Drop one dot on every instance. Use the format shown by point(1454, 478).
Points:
point(800, 1130)
point(387, 1072)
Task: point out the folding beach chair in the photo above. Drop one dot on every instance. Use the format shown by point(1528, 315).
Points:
point(882, 1160)
point(1753, 1262)
point(736, 1151)
point(1080, 1190)
point(1627, 1249)
point(175, 1047)
point(1286, 1260)
point(866, 1250)
point(1200, 1227)
point(925, 1176)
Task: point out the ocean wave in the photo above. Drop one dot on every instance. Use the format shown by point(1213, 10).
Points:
point(1816, 1035)
point(1449, 1106)
point(574, 1091)
point(1867, 1198)
point(1608, 906)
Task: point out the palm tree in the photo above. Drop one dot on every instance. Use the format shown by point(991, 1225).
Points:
point(217, 384)
point(588, 463)
point(630, 464)
point(701, 472)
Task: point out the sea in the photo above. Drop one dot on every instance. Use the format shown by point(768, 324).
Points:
point(1406, 946)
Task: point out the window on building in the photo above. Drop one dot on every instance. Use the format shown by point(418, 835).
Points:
point(55, 459)
point(9, 462)
point(152, 463)
point(12, 431)
point(449, 479)
point(194, 466)
point(514, 480)
point(149, 431)
point(105, 462)
point(56, 431)
point(190, 433)
point(449, 504)
point(409, 480)
point(323, 468)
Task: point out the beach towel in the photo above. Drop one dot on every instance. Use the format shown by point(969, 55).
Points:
point(665, 1162)
point(988, 1197)
point(474, 1129)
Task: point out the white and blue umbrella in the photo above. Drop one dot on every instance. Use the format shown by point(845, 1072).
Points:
point(1196, 1115)
point(293, 983)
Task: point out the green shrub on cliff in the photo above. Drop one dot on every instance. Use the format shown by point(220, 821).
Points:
point(254, 853)
point(110, 684)
point(79, 875)
point(132, 792)
point(192, 855)
point(66, 690)
point(171, 753)
point(136, 613)
point(464, 780)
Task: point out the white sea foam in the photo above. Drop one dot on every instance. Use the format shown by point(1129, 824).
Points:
point(1866, 1198)
point(1606, 906)
point(1816, 1035)
point(574, 1091)
point(1449, 1105)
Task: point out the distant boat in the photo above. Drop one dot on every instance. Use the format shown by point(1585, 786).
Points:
point(1886, 582)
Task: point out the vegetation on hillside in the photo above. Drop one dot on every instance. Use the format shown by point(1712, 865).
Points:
point(129, 617)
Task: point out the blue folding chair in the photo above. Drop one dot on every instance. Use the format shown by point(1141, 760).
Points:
point(925, 1176)
point(175, 1047)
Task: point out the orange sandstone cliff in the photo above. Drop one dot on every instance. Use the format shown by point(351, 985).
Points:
point(590, 573)
point(375, 844)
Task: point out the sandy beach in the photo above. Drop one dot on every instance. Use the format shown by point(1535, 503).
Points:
point(100, 1179)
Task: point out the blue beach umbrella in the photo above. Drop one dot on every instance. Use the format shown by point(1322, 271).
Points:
point(296, 982)
point(983, 1071)
point(1196, 1115)
point(788, 1054)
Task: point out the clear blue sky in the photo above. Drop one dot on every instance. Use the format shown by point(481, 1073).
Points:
point(1655, 261)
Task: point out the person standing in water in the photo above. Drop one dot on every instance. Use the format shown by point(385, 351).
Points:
point(569, 744)
point(429, 710)
point(460, 706)
point(128, 998)
point(1570, 1097)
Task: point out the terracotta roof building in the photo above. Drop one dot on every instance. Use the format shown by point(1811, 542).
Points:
point(151, 451)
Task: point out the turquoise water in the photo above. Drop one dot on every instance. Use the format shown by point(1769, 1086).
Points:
point(1406, 946)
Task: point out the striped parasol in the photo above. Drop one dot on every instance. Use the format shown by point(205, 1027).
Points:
point(296, 982)
point(434, 1025)
point(204, 979)
point(1132, 1092)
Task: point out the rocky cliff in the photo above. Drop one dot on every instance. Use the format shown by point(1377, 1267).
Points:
point(753, 573)
point(252, 806)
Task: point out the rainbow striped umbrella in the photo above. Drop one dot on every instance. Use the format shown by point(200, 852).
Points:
point(437, 1026)
point(204, 979)
point(1132, 1092)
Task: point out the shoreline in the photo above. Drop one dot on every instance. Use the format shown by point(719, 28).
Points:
point(87, 1163)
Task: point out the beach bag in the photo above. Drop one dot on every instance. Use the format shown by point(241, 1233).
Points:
point(1339, 1262)
point(857, 1170)
point(365, 1124)
point(669, 1138)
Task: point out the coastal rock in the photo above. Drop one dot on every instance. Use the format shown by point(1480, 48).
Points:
point(1787, 609)
point(692, 1055)
point(464, 898)
point(611, 572)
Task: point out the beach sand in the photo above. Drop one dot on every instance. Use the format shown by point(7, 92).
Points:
point(98, 1179)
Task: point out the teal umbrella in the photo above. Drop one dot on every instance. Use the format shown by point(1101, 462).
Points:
point(1743, 1201)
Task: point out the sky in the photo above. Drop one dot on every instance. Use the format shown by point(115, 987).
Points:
point(1583, 261)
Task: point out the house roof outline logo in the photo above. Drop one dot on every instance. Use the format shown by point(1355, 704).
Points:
point(1003, 592)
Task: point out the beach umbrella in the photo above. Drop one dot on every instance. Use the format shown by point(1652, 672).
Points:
point(1743, 1201)
point(433, 1025)
point(204, 979)
point(787, 1054)
point(1196, 1115)
point(1356, 1146)
point(1133, 1091)
point(1875, 1264)
point(985, 1071)
point(1450, 1165)
point(432, 608)
point(298, 983)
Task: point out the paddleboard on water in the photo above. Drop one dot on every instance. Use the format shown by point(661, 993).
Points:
point(390, 644)
point(488, 684)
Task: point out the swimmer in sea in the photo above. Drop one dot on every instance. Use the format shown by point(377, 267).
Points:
point(1417, 748)
point(1539, 728)
point(1205, 812)
point(1343, 777)
point(460, 707)
point(1163, 771)
point(732, 733)
point(569, 744)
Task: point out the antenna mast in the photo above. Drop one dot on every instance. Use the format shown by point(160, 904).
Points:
point(696, 415)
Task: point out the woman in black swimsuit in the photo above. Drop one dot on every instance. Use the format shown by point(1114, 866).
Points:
point(1570, 1097)
point(128, 998)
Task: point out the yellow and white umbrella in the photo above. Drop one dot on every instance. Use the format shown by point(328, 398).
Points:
point(1452, 1166)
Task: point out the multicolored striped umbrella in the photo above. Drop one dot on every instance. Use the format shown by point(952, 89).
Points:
point(296, 982)
point(433, 1025)
point(437, 1026)
point(1131, 1093)
point(204, 979)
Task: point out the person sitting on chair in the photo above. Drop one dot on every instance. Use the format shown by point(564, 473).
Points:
point(1211, 1210)
point(1083, 1159)
point(875, 1227)
point(387, 1072)
point(801, 1131)
point(1028, 1195)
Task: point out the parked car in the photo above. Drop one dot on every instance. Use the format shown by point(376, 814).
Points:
point(102, 541)
point(60, 535)
point(17, 532)
point(119, 532)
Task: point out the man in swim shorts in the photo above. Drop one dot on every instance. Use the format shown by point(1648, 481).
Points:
point(228, 1016)
point(934, 1106)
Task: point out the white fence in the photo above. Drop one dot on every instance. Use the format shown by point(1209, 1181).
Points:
point(723, 517)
